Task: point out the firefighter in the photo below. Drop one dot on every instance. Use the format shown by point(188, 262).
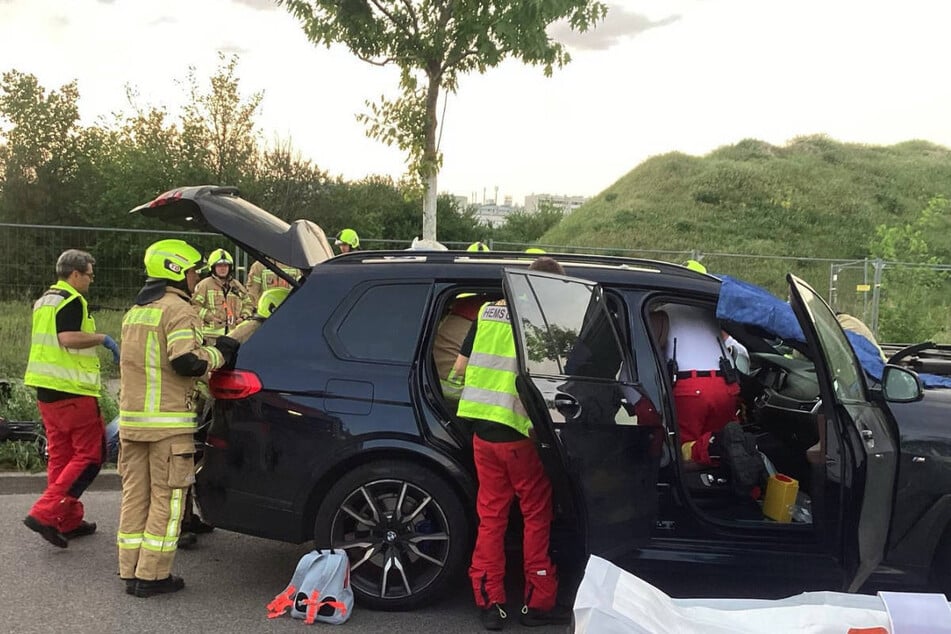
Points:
point(270, 300)
point(508, 466)
point(163, 357)
point(64, 369)
point(223, 302)
point(347, 240)
point(261, 278)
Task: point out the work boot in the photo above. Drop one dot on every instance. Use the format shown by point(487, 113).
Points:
point(187, 540)
point(84, 528)
point(129, 585)
point(167, 585)
point(532, 617)
point(493, 617)
point(46, 531)
point(195, 525)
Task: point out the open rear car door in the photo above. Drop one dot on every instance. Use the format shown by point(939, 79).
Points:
point(301, 244)
point(573, 370)
point(861, 451)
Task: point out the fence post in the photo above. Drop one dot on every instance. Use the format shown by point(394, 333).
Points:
point(876, 293)
point(833, 278)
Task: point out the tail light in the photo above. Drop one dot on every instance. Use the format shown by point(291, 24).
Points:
point(166, 198)
point(234, 384)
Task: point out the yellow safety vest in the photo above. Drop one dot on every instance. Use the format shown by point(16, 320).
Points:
point(489, 392)
point(51, 365)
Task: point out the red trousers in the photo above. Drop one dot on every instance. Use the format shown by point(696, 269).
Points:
point(76, 441)
point(704, 406)
point(507, 470)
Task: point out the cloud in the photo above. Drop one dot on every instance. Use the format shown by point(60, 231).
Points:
point(233, 49)
point(165, 19)
point(619, 24)
point(262, 5)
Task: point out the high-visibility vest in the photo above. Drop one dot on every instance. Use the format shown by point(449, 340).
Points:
point(489, 392)
point(52, 366)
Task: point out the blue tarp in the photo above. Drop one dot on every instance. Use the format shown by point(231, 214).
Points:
point(752, 305)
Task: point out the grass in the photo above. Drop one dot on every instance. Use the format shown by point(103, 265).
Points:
point(811, 198)
point(15, 326)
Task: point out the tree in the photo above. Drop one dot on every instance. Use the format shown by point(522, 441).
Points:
point(433, 42)
point(522, 227)
point(218, 127)
point(906, 314)
point(41, 152)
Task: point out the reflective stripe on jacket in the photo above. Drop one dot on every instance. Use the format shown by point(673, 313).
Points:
point(489, 392)
point(154, 400)
point(222, 305)
point(51, 365)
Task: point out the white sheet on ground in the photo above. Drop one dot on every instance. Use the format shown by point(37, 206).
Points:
point(612, 601)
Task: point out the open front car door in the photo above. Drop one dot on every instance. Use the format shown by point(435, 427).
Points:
point(860, 452)
point(574, 380)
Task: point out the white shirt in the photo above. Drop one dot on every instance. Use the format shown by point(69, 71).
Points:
point(739, 355)
point(697, 336)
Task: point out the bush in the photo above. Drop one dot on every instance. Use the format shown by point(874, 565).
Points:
point(20, 405)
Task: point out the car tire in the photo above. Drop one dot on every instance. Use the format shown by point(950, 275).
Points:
point(404, 528)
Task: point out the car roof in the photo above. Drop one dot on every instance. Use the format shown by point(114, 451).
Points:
point(465, 265)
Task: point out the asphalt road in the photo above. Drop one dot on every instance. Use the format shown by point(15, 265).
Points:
point(229, 580)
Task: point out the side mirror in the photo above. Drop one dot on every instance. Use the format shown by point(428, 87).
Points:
point(901, 385)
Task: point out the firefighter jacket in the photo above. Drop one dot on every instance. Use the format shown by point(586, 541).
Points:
point(155, 402)
point(222, 304)
point(489, 392)
point(260, 279)
point(51, 365)
point(246, 328)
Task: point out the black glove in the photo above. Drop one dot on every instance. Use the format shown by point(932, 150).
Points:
point(737, 452)
point(228, 348)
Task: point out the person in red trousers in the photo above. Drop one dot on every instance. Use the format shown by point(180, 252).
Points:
point(508, 466)
point(64, 369)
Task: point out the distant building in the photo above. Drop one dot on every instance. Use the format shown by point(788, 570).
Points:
point(566, 204)
point(492, 214)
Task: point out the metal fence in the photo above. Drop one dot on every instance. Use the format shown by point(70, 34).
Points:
point(865, 288)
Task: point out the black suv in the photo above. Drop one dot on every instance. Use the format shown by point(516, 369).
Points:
point(332, 426)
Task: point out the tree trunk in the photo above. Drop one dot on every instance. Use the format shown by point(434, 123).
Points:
point(429, 208)
point(430, 163)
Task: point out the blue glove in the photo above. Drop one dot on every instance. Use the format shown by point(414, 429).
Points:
point(110, 343)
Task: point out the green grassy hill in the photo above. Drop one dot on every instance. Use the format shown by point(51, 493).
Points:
point(813, 197)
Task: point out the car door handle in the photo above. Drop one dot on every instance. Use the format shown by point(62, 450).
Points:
point(568, 406)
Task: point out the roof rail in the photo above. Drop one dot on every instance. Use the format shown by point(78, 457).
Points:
point(449, 257)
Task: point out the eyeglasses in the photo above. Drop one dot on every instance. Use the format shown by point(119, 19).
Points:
point(88, 274)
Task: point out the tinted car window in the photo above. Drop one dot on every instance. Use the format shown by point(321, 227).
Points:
point(846, 372)
point(574, 336)
point(384, 324)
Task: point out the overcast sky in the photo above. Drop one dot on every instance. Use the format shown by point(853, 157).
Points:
point(656, 76)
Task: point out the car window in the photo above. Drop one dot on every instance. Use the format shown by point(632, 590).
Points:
point(384, 323)
point(843, 366)
point(573, 336)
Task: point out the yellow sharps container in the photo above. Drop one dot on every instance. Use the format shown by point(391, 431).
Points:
point(781, 491)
